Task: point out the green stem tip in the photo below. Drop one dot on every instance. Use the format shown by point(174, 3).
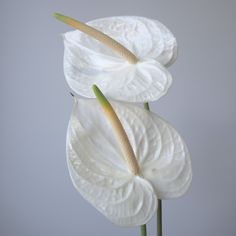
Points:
point(100, 96)
point(59, 16)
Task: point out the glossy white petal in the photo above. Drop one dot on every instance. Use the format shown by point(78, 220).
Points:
point(100, 174)
point(141, 82)
point(98, 171)
point(87, 61)
point(161, 152)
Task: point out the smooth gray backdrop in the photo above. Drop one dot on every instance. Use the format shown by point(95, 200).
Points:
point(36, 195)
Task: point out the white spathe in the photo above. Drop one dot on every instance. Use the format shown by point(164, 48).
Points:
point(88, 61)
point(100, 174)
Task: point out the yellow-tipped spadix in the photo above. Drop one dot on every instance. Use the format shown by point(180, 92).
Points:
point(120, 133)
point(103, 38)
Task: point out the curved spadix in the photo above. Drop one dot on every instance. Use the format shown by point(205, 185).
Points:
point(98, 35)
point(119, 131)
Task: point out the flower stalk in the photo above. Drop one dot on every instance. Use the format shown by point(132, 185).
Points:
point(159, 218)
point(159, 210)
point(143, 229)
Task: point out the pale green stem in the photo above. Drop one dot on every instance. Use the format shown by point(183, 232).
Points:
point(159, 210)
point(146, 106)
point(143, 230)
point(159, 218)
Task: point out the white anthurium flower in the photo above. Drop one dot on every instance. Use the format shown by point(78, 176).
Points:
point(122, 158)
point(126, 56)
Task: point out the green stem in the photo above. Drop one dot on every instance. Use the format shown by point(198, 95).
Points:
point(146, 106)
point(159, 210)
point(143, 230)
point(159, 218)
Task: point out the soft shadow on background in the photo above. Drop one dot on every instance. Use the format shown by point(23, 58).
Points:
point(37, 197)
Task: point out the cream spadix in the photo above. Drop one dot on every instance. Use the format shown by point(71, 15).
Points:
point(106, 53)
point(122, 137)
point(101, 175)
point(101, 37)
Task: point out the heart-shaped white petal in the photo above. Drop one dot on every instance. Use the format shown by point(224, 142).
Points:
point(100, 174)
point(145, 81)
point(88, 61)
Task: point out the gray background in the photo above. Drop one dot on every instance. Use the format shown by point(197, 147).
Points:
point(37, 197)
